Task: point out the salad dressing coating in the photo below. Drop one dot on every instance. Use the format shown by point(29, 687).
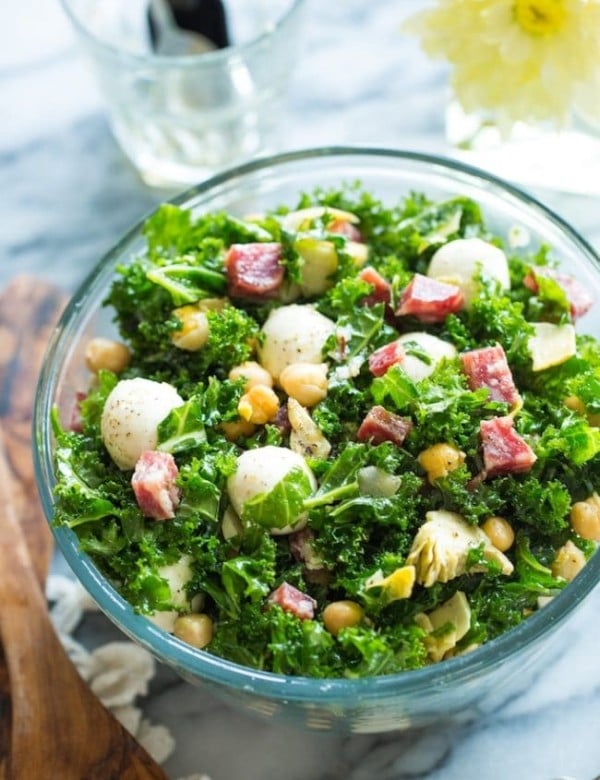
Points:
point(345, 437)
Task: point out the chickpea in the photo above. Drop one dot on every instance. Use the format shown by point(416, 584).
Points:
point(253, 373)
point(585, 518)
point(440, 459)
point(195, 330)
point(107, 354)
point(575, 404)
point(342, 614)
point(259, 405)
point(500, 533)
point(568, 562)
point(196, 630)
point(235, 429)
point(306, 382)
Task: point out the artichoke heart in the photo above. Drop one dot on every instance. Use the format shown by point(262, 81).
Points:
point(440, 549)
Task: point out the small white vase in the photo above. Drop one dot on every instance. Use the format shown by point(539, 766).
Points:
point(566, 160)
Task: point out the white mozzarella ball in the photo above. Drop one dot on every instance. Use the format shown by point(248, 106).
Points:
point(258, 471)
point(131, 415)
point(459, 262)
point(177, 575)
point(293, 334)
point(436, 349)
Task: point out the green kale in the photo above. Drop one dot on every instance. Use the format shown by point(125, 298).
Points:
point(357, 335)
point(495, 318)
point(368, 652)
point(344, 297)
point(474, 499)
point(187, 283)
point(183, 428)
point(298, 646)
point(173, 231)
point(575, 440)
point(231, 341)
point(91, 406)
point(532, 502)
point(442, 406)
point(283, 504)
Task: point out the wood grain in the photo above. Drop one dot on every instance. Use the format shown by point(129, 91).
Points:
point(59, 728)
point(51, 725)
point(29, 310)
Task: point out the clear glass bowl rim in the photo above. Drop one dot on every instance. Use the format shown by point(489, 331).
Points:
point(206, 60)
point(207, 667)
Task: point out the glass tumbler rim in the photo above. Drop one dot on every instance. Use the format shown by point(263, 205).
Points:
point(190, 61)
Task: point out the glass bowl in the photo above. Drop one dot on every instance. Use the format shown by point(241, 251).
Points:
point(459, 687)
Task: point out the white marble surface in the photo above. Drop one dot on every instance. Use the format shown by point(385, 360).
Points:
point(67, 193)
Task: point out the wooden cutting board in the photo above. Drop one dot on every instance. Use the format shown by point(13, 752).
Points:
point(29, 310)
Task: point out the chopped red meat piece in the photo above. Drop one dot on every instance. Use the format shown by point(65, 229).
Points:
point(382, 291)
point(488, 367)
point(153, 483)
point(75, 421)
point(293, 600)
point(504, 450)
point(385, 357)
point(430, 300)
point(380, 425)
point(254, 270)
point(580, 301)
point(341, 227)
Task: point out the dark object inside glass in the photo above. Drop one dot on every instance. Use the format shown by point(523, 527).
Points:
point(206, 17)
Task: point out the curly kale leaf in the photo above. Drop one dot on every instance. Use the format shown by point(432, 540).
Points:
point(367, 652)
point(497, 605)
point(442, 406)
point(458, 492)
point(89, 487)
point(173, 231)
point(90, 408)
point(357, 334)
point(344, 297)
point(186, 283)
point(575, 440)
point(232, 336)
point(539, 503)
point(493, 318)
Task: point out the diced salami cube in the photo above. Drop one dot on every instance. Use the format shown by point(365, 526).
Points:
point(153, 483)
point(75, 421)
point(430, 300)
point(386, 357)
point(380, 425)
point(382, 291)
point(504, 450)
point(488, 367)
point(342, 227)
point(293, 600)
point(580, 301)
point(254, 270)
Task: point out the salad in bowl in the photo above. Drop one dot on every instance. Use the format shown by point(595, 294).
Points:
point(323, 445)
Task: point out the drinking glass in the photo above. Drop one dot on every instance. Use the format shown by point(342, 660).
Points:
point(182, 110)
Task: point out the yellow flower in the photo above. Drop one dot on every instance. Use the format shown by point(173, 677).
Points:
point(529, 60)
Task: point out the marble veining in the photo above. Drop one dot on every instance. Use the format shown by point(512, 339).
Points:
point(67, 193)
